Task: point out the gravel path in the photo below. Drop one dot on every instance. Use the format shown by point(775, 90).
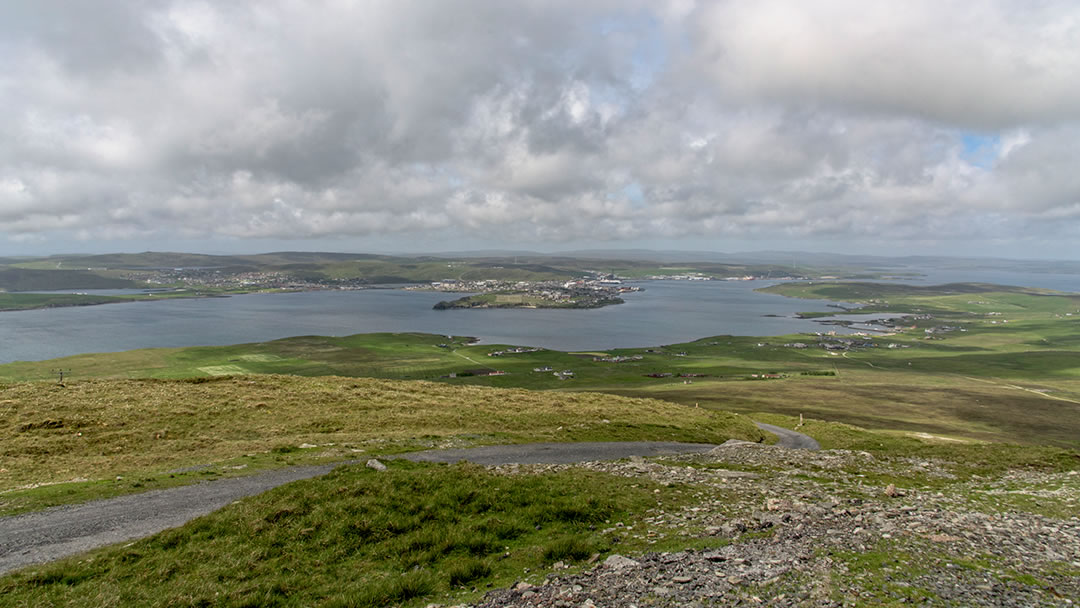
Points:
point(62, 531)
point(790, 439)
point(46, 535)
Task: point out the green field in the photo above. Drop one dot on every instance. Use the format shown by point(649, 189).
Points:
point(1008, 369)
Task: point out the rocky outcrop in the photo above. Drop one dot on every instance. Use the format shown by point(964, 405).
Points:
point(825, 529)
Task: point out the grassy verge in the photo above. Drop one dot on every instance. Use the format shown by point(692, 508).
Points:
point(966, 458)
point(357, 538)
point(141, 429)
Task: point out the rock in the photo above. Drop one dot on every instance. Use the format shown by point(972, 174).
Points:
point(618, 562)
point(714, 556)
point(819, 509)
point(777, 504)
point(305, 446)
point(375, 464)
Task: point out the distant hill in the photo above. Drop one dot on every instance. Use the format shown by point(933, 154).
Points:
point(25, 279)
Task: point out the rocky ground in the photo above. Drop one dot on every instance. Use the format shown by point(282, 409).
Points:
point(779, 527)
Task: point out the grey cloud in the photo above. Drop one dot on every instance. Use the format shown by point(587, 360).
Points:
point(979, 64)
point(539, 121)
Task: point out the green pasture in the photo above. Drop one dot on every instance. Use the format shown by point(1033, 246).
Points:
point(1013, 376)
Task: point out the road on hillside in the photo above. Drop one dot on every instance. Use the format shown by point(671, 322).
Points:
point(789, 438)
point(43, 536)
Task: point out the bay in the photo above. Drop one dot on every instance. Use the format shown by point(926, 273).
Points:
point(666, 312)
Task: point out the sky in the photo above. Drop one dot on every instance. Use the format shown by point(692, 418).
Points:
point(947, 127)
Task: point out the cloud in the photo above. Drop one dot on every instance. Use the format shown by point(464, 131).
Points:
point(989, 65)
point(539, 122)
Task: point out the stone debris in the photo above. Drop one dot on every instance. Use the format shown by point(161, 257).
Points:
point(618, 562)
point(375, 464)
point(819, 529)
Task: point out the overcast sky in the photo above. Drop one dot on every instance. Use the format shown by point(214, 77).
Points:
point(891, 127)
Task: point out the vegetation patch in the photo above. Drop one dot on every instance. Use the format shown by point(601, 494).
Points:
point(355, 537)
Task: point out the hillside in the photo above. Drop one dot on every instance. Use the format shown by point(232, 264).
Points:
point(105, 437)
point(745, 524)
point(922, 511)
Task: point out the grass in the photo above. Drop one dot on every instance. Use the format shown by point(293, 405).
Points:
point(968, 383)
point(355, 537)
point(141, 430)
point(969, 458)
point(421, 533)
point(885, 570)
point(29, 301)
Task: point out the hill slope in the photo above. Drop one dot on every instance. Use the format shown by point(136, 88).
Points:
point(153, 432)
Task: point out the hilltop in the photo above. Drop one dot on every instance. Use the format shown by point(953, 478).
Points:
point(745, 524)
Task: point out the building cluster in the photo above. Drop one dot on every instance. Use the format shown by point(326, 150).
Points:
point(253, 280)
point(693, 276)
point(618, 358)
point(514, 351)
point(833, 343)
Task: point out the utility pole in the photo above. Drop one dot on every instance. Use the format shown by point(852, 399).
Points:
point(60, 373)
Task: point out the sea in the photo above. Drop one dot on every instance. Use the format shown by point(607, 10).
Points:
point(665, 312)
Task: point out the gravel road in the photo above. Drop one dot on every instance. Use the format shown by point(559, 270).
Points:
point(790, 439)
point(58, 532)
point(46, 535)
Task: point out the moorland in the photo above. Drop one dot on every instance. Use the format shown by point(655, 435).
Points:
point(966, 405)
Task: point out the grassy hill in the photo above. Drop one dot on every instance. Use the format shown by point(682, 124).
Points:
point(108, 270)
point(144, 431)
point(913, 523)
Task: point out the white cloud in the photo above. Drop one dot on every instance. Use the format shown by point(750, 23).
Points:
point(529, 121)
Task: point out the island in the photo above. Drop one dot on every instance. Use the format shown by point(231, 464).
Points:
point(540, 297)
